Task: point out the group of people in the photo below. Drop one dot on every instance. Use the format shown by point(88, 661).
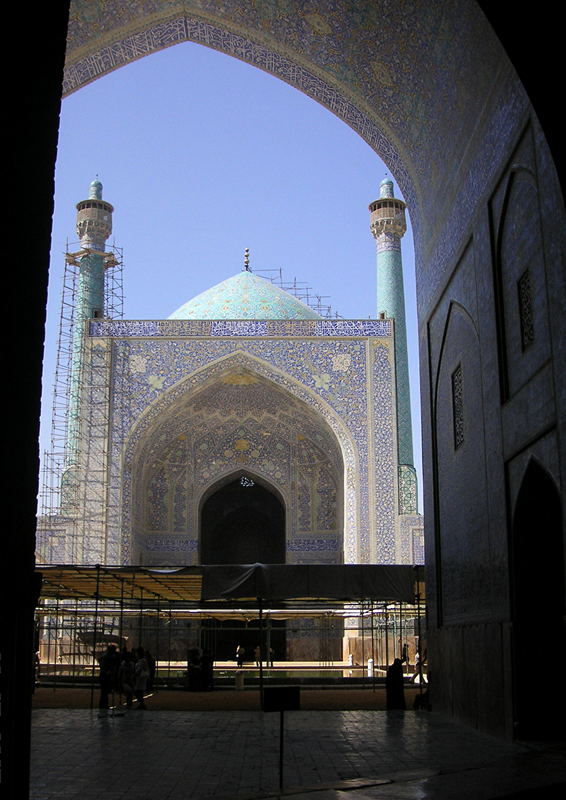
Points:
point(129, 672)
point(241, 656)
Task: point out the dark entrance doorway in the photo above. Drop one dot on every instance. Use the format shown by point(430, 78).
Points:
point(242, 523)
point(222, 637)
point(539, 647)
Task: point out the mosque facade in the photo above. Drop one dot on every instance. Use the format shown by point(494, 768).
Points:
point(244, 428)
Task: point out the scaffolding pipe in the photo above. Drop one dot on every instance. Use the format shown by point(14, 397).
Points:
point(94, 635)
point(121, 628)
point(260, 609)
point(75, 638)
point(170, 635)
point(372, 648)
point(386, 638)
point(57, 645)
point(268, 644)
point(363, 644)
point(121, 633)
point(421, 655)
point(140, 626)
point(400, 650)
point(53, 637)
point(156, 647)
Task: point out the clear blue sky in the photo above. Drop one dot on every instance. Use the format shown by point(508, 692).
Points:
point(202, 156)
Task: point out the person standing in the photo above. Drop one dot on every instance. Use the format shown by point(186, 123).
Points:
point(127, 676)
point(394, 688)
point(141, 677)
point(151, 667)
point(109, 665)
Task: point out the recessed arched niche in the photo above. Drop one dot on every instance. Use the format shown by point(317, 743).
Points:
point(242, 521)
point(187, 468)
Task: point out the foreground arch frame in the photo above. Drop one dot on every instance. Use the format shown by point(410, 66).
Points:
point(429, 86)
point(140, 35)
point(461, 181)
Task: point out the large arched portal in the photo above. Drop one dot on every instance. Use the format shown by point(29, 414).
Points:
point(242, 522)
point(183, 500)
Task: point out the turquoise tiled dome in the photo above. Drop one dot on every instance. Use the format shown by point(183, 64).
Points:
point(244, 296)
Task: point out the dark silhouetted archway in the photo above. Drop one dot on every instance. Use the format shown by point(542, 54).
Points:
point(539, 646)
point(242, 524)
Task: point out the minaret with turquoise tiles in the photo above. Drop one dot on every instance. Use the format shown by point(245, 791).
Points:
point(94, 226)
point(388, 225)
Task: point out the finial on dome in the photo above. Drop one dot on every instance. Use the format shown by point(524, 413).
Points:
point(247, 259)
point(386, 187)
point(95, 190)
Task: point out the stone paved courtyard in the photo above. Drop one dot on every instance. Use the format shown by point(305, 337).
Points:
point(174, 755)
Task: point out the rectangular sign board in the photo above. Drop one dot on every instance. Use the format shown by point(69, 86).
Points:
point(284, 698)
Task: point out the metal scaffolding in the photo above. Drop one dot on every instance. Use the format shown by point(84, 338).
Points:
point(84, 609)
point(72, 499)
point(74, 634)
point(301, 290)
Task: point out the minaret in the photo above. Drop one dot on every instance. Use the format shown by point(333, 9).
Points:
point(94, 226)
point(388, 225)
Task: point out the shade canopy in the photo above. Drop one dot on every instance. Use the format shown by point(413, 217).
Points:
point(231, 583)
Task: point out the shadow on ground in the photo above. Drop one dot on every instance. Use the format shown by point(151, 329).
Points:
point(225, 699)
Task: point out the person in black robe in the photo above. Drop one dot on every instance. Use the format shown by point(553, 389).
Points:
point(394, 688)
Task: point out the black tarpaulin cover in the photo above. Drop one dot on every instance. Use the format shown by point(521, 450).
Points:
point(312, 581)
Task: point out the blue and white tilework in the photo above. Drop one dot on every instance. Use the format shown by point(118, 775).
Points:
point(312, 417)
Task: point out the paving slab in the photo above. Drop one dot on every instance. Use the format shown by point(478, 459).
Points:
point(79, 754)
